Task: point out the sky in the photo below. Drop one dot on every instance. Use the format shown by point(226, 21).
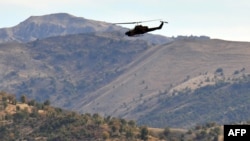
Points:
point(220, 19)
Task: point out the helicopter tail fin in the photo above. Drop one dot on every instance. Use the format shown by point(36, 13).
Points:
point(162, 22)
point(161, 25)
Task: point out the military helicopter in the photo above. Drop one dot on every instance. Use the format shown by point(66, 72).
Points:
point(139, 29)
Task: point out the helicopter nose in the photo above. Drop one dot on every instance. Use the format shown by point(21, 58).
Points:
point(128, 33)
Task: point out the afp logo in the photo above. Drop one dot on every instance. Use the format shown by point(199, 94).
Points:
point(237, 132)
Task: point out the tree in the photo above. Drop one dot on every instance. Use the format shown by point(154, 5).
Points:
point(32, 103)
point(166, 132)
point(12, 99)
point(21, 115)
point(144, 133)
point(5, 104)
point(131, 123)
point(46, 103)
point(23, 99)
point(18, 108)
point(129, 134)
point(124, 122)
point(219, 71)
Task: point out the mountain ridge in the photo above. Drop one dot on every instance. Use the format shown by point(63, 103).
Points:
point(59, 24)
point(37, 27)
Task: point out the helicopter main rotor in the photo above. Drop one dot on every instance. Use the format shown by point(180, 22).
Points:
point(142, 21)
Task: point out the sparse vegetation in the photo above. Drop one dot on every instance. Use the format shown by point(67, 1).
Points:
point(31, 123)
point(219, 71)
point(224, 102)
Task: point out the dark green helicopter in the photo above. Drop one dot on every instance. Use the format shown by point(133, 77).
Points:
point(140, 29)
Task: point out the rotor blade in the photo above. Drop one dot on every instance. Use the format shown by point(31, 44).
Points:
point(150, 20)
point(164, 21)
point(127, 23)
point(138, 22)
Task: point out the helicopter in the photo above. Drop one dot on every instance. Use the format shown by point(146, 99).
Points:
point(140, 29)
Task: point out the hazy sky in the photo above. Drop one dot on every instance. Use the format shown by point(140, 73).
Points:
point(224, 19)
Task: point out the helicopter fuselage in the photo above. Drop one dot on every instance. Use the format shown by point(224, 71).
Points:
point(139, 29)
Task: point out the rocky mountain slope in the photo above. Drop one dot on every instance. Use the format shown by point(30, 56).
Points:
point(38, 27)
point(166, 70)
point(65, 67)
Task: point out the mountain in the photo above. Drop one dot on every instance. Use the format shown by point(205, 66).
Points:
point(40, 27)
point(150, 79)
point(65, 67)
point(154, 85)
point(60, 56)
point(165, 72)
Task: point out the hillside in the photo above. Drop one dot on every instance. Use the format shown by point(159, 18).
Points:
point(30, 120)
point(162, 71)
point(224, 103)
point(65, 67)
point(60, 56)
